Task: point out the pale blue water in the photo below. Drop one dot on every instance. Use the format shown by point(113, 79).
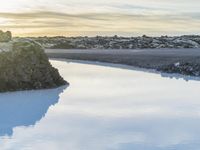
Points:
point(104, 108)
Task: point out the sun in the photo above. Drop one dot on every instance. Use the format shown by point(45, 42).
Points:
point(11, 5)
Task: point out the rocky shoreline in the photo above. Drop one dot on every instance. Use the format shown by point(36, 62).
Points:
point(184, 68)
point(25, 66)
point(181, 61)
point(184, 64)
point(117, 42)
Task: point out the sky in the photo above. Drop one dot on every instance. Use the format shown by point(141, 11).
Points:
point(100, 17)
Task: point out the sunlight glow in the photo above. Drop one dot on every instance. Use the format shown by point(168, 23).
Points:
point(105, 17)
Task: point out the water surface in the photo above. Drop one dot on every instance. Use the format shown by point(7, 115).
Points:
point(104, 108)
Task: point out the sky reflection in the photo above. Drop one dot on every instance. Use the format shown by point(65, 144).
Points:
point(115, 109)
point(25, 108)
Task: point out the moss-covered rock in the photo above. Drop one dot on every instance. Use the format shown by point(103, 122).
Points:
point(5, 36)
point(26, 67)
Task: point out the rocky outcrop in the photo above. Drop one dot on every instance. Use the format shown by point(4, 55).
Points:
point(25, 66)
point(5, 36)
point(117, 42)
point(184, 68)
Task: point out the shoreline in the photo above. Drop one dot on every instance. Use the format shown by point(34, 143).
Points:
point(128, 67)
point(185, 62)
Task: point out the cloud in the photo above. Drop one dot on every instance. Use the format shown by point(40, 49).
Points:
point(51, 21)
point(96, 16)
point(100, 17)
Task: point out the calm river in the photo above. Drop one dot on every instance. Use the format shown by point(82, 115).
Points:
point(104, 108)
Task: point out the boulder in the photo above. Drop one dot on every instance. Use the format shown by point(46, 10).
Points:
point(25, 66)
point(5, 36)
point(184, 68)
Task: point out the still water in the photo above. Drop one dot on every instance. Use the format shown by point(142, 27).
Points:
point(104, 108)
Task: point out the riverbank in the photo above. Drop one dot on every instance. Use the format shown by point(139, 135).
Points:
point(181, 61)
